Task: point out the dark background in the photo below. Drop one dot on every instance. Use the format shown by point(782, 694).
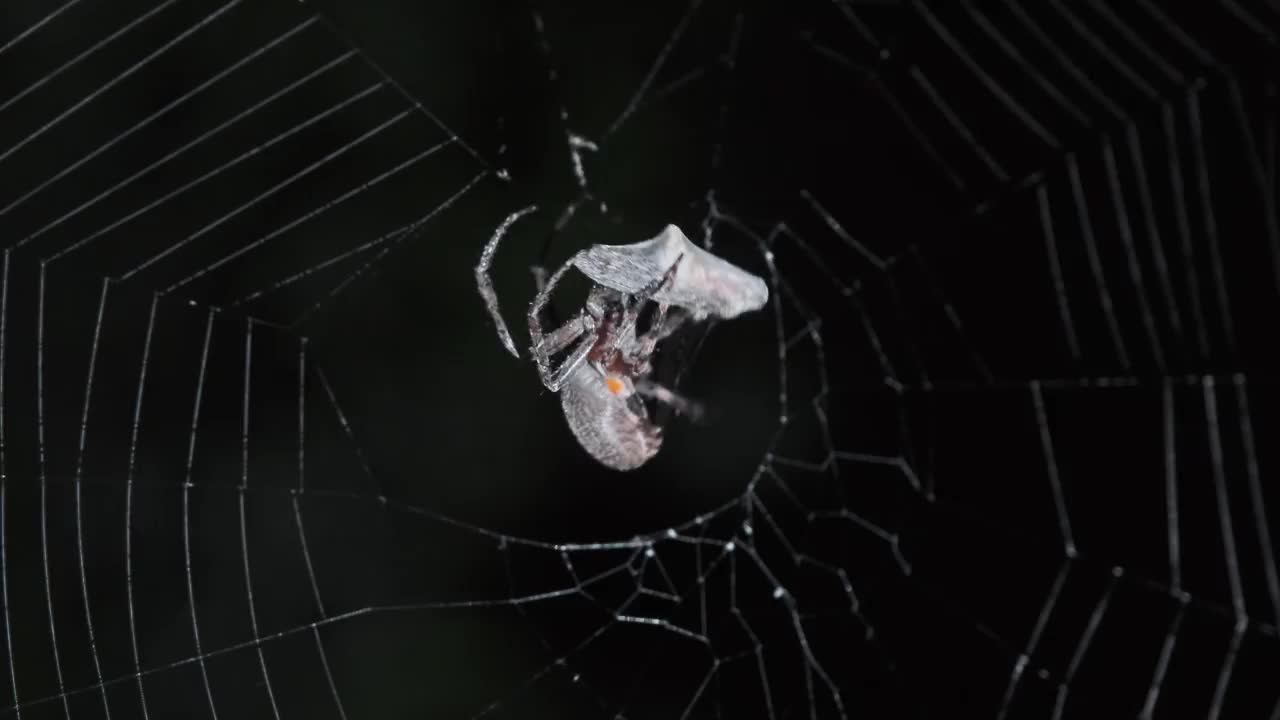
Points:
point(999, 445)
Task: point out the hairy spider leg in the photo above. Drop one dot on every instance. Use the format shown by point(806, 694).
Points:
point(578, 327)
point(639, 349)
point(570, 364)
point(649, 340)
point(647, 343)
point(683, 405)
point(632, 313)
point(539, 277)
point(563, 336)
point(485, 284)
point(676, 318)
point(542, 343)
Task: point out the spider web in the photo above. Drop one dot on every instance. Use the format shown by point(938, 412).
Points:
point(996, 448)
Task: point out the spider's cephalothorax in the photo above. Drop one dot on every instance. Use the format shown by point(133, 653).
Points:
point(605, 372)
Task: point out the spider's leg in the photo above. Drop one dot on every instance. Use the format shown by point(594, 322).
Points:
point(655, 331)
point(563, 336)
point(646, 293)
point(539, 277)
point(541, 354)
point(682, 405)
point(557, 380)
point(673, 322)
point(485, 285)
point(649, 340)
point(665, 323)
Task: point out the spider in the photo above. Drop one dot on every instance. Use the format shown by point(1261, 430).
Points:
point(605, 374)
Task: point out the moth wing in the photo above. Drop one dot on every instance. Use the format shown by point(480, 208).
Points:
point(704, 284)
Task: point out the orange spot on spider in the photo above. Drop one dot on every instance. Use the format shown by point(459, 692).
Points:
point(615, 385)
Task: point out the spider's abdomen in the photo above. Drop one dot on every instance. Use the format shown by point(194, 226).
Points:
point(605, 425)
